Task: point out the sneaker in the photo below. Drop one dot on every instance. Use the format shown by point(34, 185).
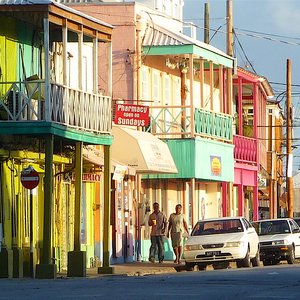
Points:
point(161, 261)
point(152, 259)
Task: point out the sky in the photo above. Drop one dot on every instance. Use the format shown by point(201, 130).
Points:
point(268, 33)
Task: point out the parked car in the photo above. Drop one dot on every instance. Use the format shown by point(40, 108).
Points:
point(279, 239)
point(219, 241)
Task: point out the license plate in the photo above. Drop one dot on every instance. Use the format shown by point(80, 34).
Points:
point(212, 253)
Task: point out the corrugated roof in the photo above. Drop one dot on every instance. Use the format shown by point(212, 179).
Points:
point(262, 79)
point(159, 36)
point(24, 2)
point(53, 2)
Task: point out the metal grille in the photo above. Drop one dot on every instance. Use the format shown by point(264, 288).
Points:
point(213, 246)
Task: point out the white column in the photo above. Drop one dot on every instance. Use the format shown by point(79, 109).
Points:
point(80, 53)
point(95, 65)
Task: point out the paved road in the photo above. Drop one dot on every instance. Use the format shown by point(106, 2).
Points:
point(278, 282)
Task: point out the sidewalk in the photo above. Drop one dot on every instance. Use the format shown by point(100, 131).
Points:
point(140, 269)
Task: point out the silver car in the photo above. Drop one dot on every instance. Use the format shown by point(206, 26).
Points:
point(279, 240)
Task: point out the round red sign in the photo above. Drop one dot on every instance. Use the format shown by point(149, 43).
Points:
point(30, 178)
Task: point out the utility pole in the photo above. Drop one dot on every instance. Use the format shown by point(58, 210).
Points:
point(289, 160)
point(206, 23)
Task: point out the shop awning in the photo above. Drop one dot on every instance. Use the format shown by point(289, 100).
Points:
point(142, 151)
point(96, 157)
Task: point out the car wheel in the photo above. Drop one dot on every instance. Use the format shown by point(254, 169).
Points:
point(267, 262)
point(201, 267)
point(255, 260)
point(189, 266)
point(291, 257)
point(246, 262)
point(239, 263)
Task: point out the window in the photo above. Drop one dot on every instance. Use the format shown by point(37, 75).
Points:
point(167, 90)
point(145, 84)
point(156, 87)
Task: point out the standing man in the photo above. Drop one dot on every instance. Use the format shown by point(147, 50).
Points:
point(177, 226)
point(158, 223)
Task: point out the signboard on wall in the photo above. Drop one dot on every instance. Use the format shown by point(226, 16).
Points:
point(131, 115)
point(87, 177)
point(216, 165)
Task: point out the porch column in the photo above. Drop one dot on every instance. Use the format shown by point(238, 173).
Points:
point(241, 199)
point(255, 111)
point(192, 200)
point(77, 258)
point(47, 71)
point(211, 85)
point(224, 199)
point(191, 75)
point(65, 52)
point(230, 211)
point(80, 54)
point(255, 203)
point(95, 64)
point(221, 87)
point(201, 77)
point(46, 269)
point(106, 268)
point(255, 128)
point(183, 101)
point(240, 106)
point(109, 78)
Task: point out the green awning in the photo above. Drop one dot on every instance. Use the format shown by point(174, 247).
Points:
point(160, 41)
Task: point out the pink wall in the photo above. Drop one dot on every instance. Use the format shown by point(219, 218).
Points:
point(245, 177)
point(122, 16)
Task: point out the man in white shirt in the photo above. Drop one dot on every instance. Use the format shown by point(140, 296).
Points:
point(158, 222)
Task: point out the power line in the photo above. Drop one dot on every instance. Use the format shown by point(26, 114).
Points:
point(243, 51)
point(270, 34)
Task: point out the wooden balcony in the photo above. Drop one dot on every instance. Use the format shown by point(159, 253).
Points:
point(26, 101)
point(245, 149)
point(188, 122)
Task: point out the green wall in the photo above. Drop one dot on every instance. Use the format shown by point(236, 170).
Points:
point(15, 35)
point(193, 159)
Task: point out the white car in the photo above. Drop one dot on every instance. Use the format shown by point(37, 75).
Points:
point(279, 239)
point(219, 241)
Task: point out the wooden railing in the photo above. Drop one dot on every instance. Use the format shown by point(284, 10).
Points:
point(245, 149)
point(176, 122)
point(26, 101)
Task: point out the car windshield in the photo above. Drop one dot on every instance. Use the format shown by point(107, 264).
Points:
point(271, 227)
point(217, 227)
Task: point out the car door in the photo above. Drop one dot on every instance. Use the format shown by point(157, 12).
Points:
point(252, 237)
point(295, 236)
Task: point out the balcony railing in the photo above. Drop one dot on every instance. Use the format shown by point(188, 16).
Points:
point(26, 101)
point(176, 122)
point(245, 149)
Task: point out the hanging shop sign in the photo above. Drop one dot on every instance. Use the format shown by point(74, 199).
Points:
point(119, 172)
point(131, 115)
point(30, 178)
